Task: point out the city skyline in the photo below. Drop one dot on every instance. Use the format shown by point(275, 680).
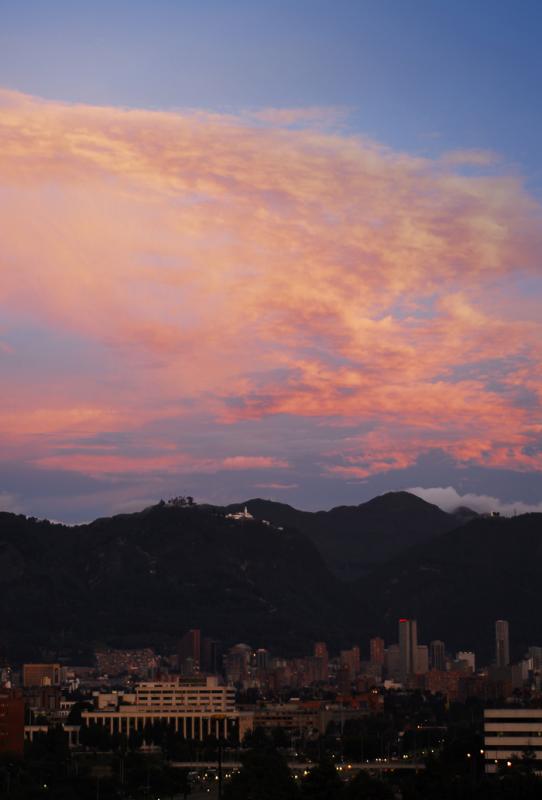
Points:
point(277, 250)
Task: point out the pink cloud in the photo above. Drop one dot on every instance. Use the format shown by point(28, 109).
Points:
point(244, 270)
point(254, 462)
point(98, 461)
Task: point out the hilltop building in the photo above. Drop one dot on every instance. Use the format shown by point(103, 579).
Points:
point(240, 515)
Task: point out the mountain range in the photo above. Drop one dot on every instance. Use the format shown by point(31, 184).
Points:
point(341, 576)
point(353, 539)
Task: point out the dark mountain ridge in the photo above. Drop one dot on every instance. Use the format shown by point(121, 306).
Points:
point(144, 578)
point(147, 577)
point(353, 539)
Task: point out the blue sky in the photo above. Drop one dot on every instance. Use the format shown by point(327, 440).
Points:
point(424, 75)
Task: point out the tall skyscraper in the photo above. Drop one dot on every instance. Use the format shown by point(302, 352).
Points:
point(502, 643)
point(211, 655)
point(321, 652)
point(261, 658)
point(190, 652)
point(437, 655)
point(422, 659)
point(408, 647)
point(376, 650)
point(536, 654)
point(392, 662)
point(351, 660)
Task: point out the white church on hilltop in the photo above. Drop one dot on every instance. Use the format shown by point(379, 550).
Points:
point(240, 515)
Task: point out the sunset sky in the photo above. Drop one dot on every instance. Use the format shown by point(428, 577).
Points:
point(279, 249)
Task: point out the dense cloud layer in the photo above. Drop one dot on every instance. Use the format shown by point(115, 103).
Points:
point(166, 274)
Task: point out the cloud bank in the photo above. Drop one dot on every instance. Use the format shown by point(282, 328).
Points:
point(448, 498)
point(165, 273)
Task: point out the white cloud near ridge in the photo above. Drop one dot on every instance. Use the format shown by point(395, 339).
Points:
point(448, 498)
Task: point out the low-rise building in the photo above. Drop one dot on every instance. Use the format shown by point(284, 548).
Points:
point(71, 732)
point(195, 707)
point(292, 716)
point(41, 675)
point(511, 733)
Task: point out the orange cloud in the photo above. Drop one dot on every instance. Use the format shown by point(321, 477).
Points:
point(237, 268)
point(111, 463)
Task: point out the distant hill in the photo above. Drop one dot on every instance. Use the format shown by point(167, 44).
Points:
point(465, 513)
point(147, 577)
point(458, 584)
point(353, 539)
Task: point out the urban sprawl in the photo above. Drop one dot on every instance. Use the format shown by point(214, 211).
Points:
point(386, 709)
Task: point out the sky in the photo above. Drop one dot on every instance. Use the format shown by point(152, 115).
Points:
point(277, 249)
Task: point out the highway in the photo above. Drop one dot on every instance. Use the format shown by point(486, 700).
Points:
point(298, 766)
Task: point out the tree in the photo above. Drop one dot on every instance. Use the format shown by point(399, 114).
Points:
point(263, 776)
point(322, 782)
point(74, 717)
point(280, 737)
point(94, 736)
point(364, 787)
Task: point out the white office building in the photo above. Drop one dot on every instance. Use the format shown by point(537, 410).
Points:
point(196, 708)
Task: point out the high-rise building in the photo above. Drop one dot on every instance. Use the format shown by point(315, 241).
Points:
point(408, 647)
point(535, 653)
point(351, 660)
point(437, 655)
point(211, 655)
point(261, 658)
point(237, 663)
point(344, 679)
point(321, 652)
point(190, 652)
point(392, 661)
point(422, 659)
point(502, 643)
point(11, 722)
point(376, 650)
point(466, 658)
